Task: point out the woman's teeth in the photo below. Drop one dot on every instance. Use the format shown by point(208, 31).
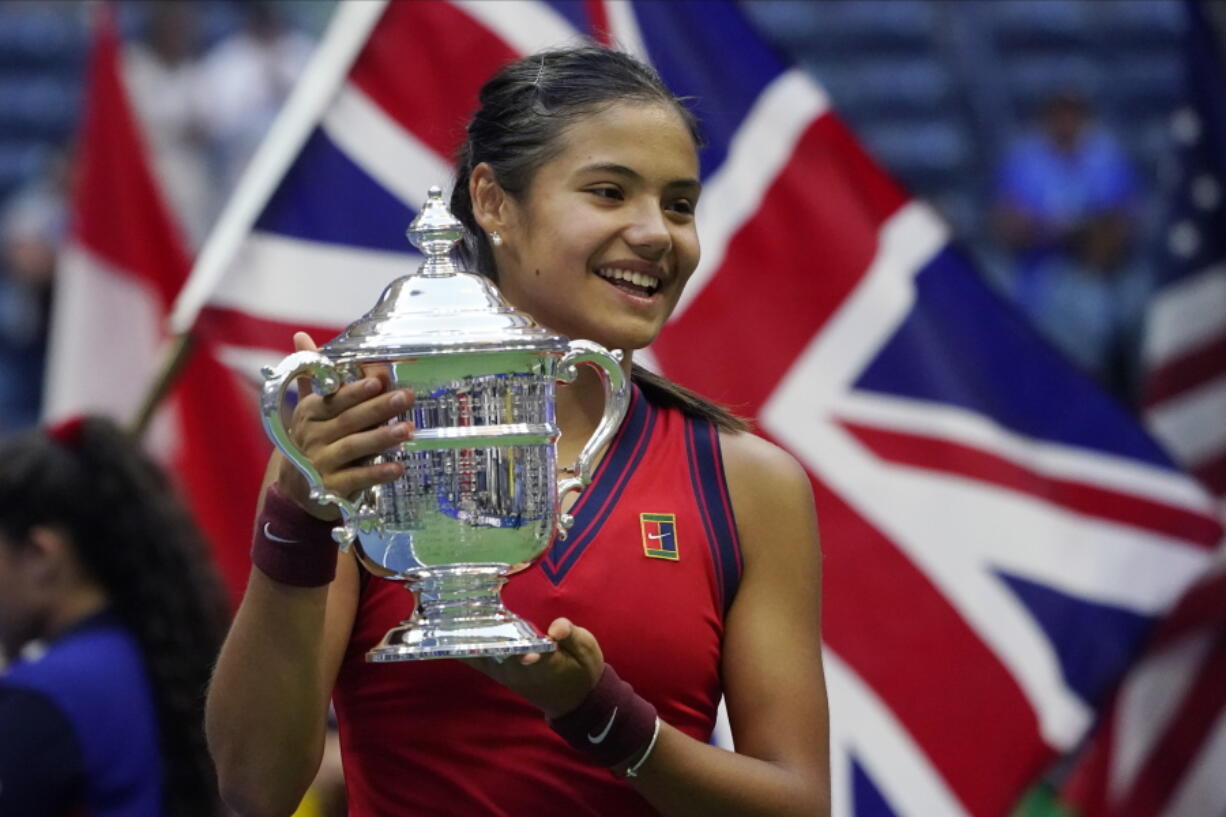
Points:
point(640, 280)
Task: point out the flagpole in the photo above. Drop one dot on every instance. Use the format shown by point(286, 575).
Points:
point(175, 354)
point(347, 33)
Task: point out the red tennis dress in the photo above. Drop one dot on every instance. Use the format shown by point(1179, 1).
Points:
point(650, 567)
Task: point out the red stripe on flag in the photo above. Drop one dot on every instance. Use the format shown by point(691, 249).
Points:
point(831, 193)
point(222, 464)
point(1200, 611)
point(114, 184)
point(598, 21)
point(931, 454)
point(880, 612)
point(1212, 473)
point(435, 111)
point(1195, 368)
point(1085, 791)
point(1203, 607)
point(1171, 756)
point(234, 328)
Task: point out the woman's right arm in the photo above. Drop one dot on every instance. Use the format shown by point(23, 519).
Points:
point(266, 713)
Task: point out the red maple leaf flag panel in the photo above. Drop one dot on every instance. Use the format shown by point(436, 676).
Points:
point(124, 263)
point(998, 533)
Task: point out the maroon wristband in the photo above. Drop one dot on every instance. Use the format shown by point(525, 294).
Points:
point(291, 546)
point(612, 726)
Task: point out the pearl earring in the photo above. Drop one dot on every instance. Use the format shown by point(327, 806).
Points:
point(496, 239)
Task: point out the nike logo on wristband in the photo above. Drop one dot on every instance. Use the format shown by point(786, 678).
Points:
point(604, 733)
point(270, 535)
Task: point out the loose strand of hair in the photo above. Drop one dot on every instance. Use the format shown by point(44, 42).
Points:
point(665, 392)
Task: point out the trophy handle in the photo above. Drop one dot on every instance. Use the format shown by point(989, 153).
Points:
point(616, 399)
point(326, 379)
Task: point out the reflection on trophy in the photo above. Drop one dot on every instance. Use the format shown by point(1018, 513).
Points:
point(479, 498)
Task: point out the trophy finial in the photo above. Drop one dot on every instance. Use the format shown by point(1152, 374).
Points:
point(435, 232)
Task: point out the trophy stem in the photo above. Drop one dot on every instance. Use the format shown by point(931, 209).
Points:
point(459, 614)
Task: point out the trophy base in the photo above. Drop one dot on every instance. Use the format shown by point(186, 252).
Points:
point(459, 615)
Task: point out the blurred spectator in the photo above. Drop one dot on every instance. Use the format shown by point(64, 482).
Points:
point(32, 226)
point(162, 75)
point(244, 80)
point(113, 616)
point(1065, 201)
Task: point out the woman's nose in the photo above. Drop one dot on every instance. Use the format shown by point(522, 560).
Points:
point(648, 233)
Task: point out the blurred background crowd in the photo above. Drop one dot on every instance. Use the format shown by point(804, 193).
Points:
point(1041, 130)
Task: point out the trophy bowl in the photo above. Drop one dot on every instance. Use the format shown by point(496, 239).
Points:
point(480, 497)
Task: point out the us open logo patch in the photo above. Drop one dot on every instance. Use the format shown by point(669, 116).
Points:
point(659, 535)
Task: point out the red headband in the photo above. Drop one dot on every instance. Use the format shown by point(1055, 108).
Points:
point(67, 432)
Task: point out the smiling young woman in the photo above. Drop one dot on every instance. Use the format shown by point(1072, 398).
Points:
point(692, 570)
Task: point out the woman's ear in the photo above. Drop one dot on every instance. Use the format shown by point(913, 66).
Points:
point(491, 204)
point(47, 555)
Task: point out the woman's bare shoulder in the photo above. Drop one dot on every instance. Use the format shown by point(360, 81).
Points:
point(753, 462)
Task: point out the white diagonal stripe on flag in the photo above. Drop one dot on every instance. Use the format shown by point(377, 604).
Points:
point(863, 725)
point(1148, 700)
point(624, 29)
point(525, 27)
point(756, 156)
point(389, 154)
point(298, 280)
point(854, 334)
point(966, 427)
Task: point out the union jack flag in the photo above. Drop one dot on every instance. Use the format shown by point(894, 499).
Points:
point(998, 534)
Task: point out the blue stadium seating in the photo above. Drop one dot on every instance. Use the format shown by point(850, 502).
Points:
point(933, 87)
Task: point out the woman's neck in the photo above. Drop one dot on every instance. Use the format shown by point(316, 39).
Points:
point(77, 604)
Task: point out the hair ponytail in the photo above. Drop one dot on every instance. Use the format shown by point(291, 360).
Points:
point(664, 392)
point(135, 538)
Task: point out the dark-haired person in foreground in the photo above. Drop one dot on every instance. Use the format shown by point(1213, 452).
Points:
point(579, 184)
point(110, 618)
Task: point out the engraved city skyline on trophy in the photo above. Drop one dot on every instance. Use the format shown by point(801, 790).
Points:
point(479, 497)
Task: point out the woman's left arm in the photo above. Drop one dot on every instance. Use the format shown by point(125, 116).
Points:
point(772, 666)
point(774, 686)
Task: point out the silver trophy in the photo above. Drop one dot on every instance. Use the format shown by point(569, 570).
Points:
point(480, 497)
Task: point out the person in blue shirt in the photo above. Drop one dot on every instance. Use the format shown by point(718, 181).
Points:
point(1066, 200)
point(110, 619)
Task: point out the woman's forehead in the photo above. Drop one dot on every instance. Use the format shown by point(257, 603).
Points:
point(643, 138)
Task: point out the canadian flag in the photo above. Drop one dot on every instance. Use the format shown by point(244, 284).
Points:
point(124, 263)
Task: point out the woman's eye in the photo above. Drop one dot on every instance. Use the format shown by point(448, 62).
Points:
point(606, 192)
point(683, 206)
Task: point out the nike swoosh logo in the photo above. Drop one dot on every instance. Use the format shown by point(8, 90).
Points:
point(604, 733)
point(655, 536)
point(276, 538)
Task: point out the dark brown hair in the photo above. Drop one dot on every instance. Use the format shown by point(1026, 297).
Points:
point(523, 111)
point(133, 536)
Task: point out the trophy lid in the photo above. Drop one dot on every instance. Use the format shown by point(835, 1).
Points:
point(441, 308)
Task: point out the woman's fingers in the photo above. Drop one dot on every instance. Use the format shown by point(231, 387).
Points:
point(373, 411)
point(351, 481)
point(577, 642)
point(319, 407)
point(354, 448)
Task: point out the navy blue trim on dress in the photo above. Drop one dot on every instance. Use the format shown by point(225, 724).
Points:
point(704, 457)
point(602, 494)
